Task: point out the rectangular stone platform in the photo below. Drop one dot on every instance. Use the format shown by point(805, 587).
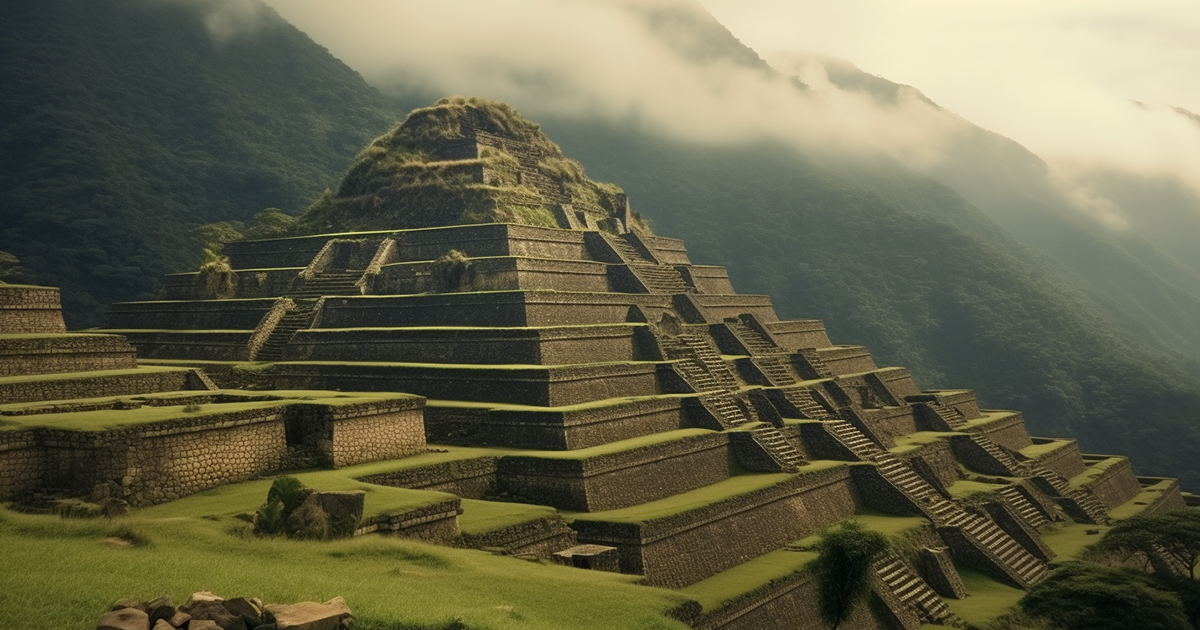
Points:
point(1060, 456)
point(200, 345)
point(686, 538)
point(670, 251)
point(497, 308)
point(160, 453)
point(1109, 478)
point(707, 278)
point(286, 252)
point(847, 359)
point(549, 386)
point(146, 379)
point(58, 353)
point(1006, 428)
point(492, 239)
point(798, 334)
point(193, 315)
point(251, 283)
point(495, 274)
point(620, 474)
point(545, 345)
point(562, 428)
point(30, 309)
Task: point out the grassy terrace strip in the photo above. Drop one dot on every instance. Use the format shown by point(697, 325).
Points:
point(71, 376)
point(66, 335)
point(594, 404)
point(620, 446)
point(186, 331)
point(480, 328)
point(736, 485)
point(914, 441)
point(1095, 470)
point(989, 598)
point(711, 593)
point(480, 517)
point(385, 580)
point(964, 488)
point(1038, 450)
point(1144, 499)
point(989, 416)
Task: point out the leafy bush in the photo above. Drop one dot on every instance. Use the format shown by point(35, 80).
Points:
point(843, 568)
point(1083, 596)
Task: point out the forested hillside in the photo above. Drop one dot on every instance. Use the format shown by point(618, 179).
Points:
point(920, 277)
point(124, 124)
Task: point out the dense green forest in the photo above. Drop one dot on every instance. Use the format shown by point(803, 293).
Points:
point(125, 124)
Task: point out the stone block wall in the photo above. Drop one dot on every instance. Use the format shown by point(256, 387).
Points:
point(372, 433)
point(467, 478)
point(683, 549)
point(708, 278)
point(890, 423)
point(189, 315)
point(847, 359)
point(1064, 460)
point(218, 345)
point(60, 353)
point(1007, 430)
point(670, 251)
point(276, 253)
point(789, 603)
point(30, 309)
point(98, 384)
point(617, 480)
point(1116, 486)
point(797, 334)
point(938, 459)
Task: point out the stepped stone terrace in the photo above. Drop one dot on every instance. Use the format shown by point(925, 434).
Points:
point(592, 392)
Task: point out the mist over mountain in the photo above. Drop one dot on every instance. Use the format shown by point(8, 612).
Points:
point(126, 123)
point(842, 195)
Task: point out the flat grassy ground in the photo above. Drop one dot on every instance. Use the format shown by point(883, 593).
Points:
point(989, 599)
point(61, 574)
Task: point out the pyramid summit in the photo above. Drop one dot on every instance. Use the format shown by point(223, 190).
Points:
point(593, 396)
point(463, 160)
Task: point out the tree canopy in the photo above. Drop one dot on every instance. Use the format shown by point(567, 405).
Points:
point(843, 568)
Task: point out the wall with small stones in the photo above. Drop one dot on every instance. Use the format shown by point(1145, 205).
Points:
point(617, 480)
point(1064, 460)
point(196, 345)
point(30, 309)
point(1008, 432)
point(789, 603)
point(890, 423)
point(847, 359)
point(375, 434)
point(467, 478)
point(797, 334)
point(708, 279)
point(682, 549)
point(96, 385)
point(1116, 486)
point(189, 315)
point(540, 386)
point(62, 353)
point(938, 459)
point(552, 429)
point(538, 538)
point(436, 523)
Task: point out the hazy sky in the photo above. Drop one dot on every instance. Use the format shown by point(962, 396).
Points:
point(1058, 77)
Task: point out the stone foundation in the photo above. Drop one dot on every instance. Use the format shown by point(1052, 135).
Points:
point(28, 309)
point(141, 380)
point(60, 353)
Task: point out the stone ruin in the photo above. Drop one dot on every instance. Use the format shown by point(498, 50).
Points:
point(679, 430)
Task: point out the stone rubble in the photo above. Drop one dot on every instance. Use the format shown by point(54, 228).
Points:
point(207, 611)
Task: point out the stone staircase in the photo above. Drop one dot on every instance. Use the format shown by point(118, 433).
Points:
point(951, 416)
point(981, 532)
point(803, 400)
point(817, 367)
point(322, 284)
point(699, 359)
point(1089, 508)
point(777, 369)
point(296, 319)
point(657, 278)
point(1023, 506)
point(911, 590)
point(773, 441)
point(755, 341)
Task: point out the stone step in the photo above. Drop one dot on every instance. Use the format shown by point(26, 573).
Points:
point(912, 590)
point(1023, 506)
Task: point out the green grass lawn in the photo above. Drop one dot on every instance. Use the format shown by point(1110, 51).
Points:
point(989, 599)
point(70, 571)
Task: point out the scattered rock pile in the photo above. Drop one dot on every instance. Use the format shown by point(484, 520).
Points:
point(205, 611)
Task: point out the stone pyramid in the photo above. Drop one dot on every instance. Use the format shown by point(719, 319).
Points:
point(572, 359)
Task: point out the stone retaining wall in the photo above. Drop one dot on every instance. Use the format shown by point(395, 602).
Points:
point(1116, 486)
point(709, 278)
point(938, 460)
point(551, 429)
point(1007, 431)
point(798, 334)
point(493, 239)
point(789, 603)
point(97, 384)
point(372, 433)
point(494, 274)
point(502, 308)
point(551, 386)
point(211, 345)
point(682, 549)
point(529, 346)
point(30, 309)
point(1064, 460)
point(189, 315)
point(847, 359)
point(60, 353)
point(468, 478)
point(617, 480)
point(890, 423)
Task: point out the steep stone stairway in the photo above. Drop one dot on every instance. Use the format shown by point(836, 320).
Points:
point(952, 417)
point(336, 283)
point(1023, 506)
point(803, 400)
point(296, 319)
point(700, 352)
point(1088, 508)
point(772, 360)
point(817, 365)
point(656, 277)
point(911, 590)
point(982, 533)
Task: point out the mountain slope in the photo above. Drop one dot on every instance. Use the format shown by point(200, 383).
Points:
point(125, 124)
point(926, 292)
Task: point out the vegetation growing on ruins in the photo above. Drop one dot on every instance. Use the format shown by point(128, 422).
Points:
point(9, 267)
point(420, 174)
point(842, 568)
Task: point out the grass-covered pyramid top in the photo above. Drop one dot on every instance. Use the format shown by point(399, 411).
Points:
point(463, 160)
